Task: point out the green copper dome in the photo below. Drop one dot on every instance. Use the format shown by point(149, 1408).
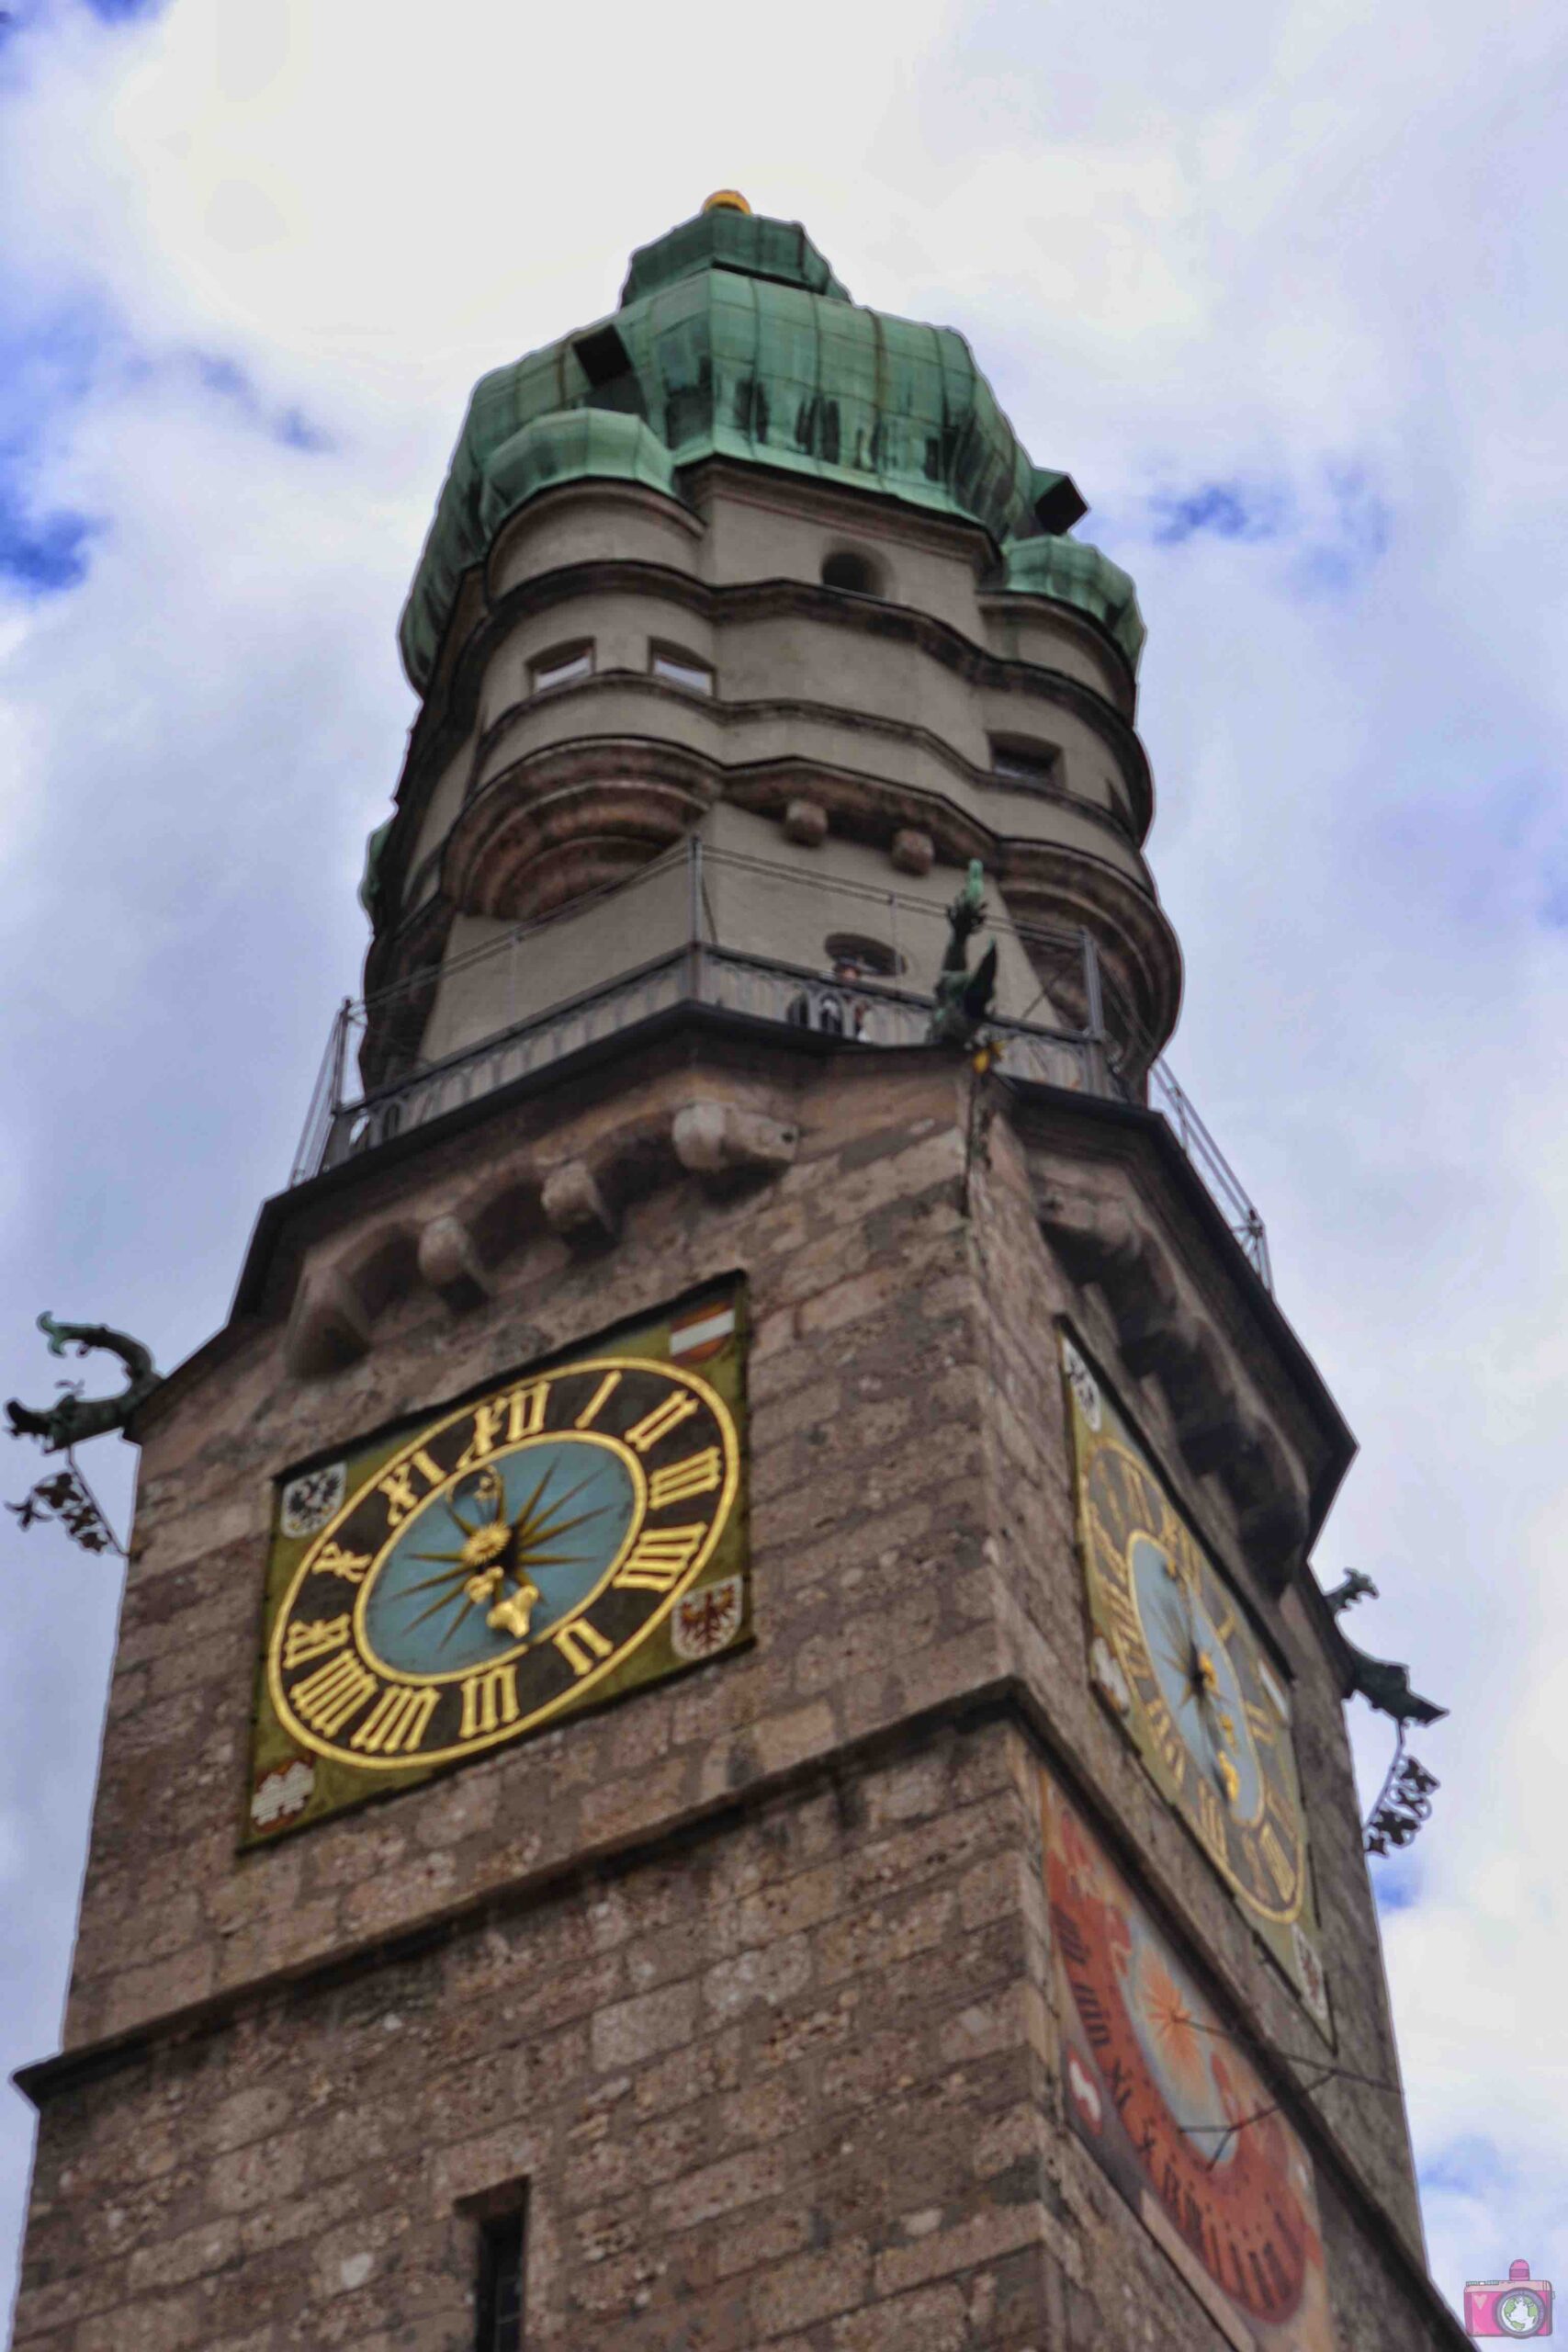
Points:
point(734, 339)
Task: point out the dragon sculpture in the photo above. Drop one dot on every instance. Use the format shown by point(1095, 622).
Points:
point(963, 996)
point(76, 1416)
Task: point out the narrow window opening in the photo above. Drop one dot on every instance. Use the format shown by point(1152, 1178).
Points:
point(1019, 760)
point(856, 573)
point(678, 669)
point(500, 2295)
point(560, 667)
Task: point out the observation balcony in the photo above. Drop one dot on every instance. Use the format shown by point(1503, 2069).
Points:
point(684, 930)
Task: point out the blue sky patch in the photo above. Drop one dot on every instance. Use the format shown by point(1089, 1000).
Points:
point(44, 553)
point(226, 379)
point(1469, 2165)
point(1350, 539)
point(1396, 1883)
point(1225, 510)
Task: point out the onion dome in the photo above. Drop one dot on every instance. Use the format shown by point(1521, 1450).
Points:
point(734, 339)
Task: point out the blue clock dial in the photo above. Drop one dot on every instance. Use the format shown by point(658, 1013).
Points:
point(1196, 1676)
point(503, 1555)
point(1191, 1687)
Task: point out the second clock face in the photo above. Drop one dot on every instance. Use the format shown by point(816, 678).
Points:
point(1181, 1664)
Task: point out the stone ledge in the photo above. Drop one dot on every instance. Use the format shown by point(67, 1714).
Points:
point(1001, 1703)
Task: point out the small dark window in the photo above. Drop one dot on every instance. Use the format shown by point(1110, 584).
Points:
point(852, 956)
point(1018, 760)
point(677, 669)
point(560, 667)
point(500, 2297)
point(856, 573)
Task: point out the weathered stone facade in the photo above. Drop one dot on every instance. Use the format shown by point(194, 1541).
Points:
point(745, 1977)
point(745, 1981)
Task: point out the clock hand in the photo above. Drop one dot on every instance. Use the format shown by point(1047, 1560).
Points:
point(1203, 1681)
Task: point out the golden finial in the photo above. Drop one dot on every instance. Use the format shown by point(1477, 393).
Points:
point(725, 199)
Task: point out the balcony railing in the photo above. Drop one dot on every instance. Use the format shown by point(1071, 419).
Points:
point(698, 964)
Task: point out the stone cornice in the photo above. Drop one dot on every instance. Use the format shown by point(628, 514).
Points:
point(450, 713)
point(577, 814)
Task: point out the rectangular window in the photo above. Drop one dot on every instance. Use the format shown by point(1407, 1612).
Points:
point(680, 669)
point(499, 2296)
point(1022, 762)
point(560, 668)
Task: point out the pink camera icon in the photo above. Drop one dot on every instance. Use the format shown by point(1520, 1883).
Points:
point(1517, 2305)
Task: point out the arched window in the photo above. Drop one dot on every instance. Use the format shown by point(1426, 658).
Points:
point(561, 666)
point(678, 668)
point(852, 956)
point(856, 575)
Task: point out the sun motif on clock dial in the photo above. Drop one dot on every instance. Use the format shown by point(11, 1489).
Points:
point(1164, 2096)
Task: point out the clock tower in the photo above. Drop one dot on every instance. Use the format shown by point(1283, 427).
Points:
point(722, 1736)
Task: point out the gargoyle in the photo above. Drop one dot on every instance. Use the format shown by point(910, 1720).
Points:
point(963, 996)
point(74, 1417)
point(1381, 1682)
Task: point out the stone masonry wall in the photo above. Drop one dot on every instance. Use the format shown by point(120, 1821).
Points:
point(746, 1977)
point(1042, 1583)
point(874, 1599)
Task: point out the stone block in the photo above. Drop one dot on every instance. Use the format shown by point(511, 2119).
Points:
point(575, 1206)
point(717, 1139)
point(912, 852)
point(805, 824)
point(449, 1261)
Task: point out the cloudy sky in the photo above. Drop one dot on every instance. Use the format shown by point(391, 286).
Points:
point(1283, 282)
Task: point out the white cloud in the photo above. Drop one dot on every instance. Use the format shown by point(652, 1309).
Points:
point(1312, 248)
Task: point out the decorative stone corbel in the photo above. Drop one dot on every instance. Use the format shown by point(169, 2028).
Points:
point(912, 852)
point(717, 1139)
point(575, 1207)
point(450, 1263)
point(329, 1326)
point(1164, 1337)
point(805, 824)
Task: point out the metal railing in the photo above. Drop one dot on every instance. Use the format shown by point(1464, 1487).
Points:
point(695, 964)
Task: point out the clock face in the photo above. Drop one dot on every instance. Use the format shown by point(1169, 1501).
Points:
point(1164, 2098)
point(503, 1562)
point(1195, 1690)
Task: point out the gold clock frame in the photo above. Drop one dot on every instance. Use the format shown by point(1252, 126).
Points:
point(1283, 1914)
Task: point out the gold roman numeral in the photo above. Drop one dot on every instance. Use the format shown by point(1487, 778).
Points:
point(399, 1488)
point(490, 1419)
point(490, 1701)
point(1109, 1501)
point(1278, 1863)
point(331, 1560)
point(580, 1644)
point(326, 1698)
point(525, 1410)
point(660, 1421)
point(397, 1721)
point(597, 1402)
point(1125, 1619)
point(1211, 1824)
point(1167, 1739)
point(698, 1475)
point(659, 1558)
point(302, 1642)
point(1263, 1725)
